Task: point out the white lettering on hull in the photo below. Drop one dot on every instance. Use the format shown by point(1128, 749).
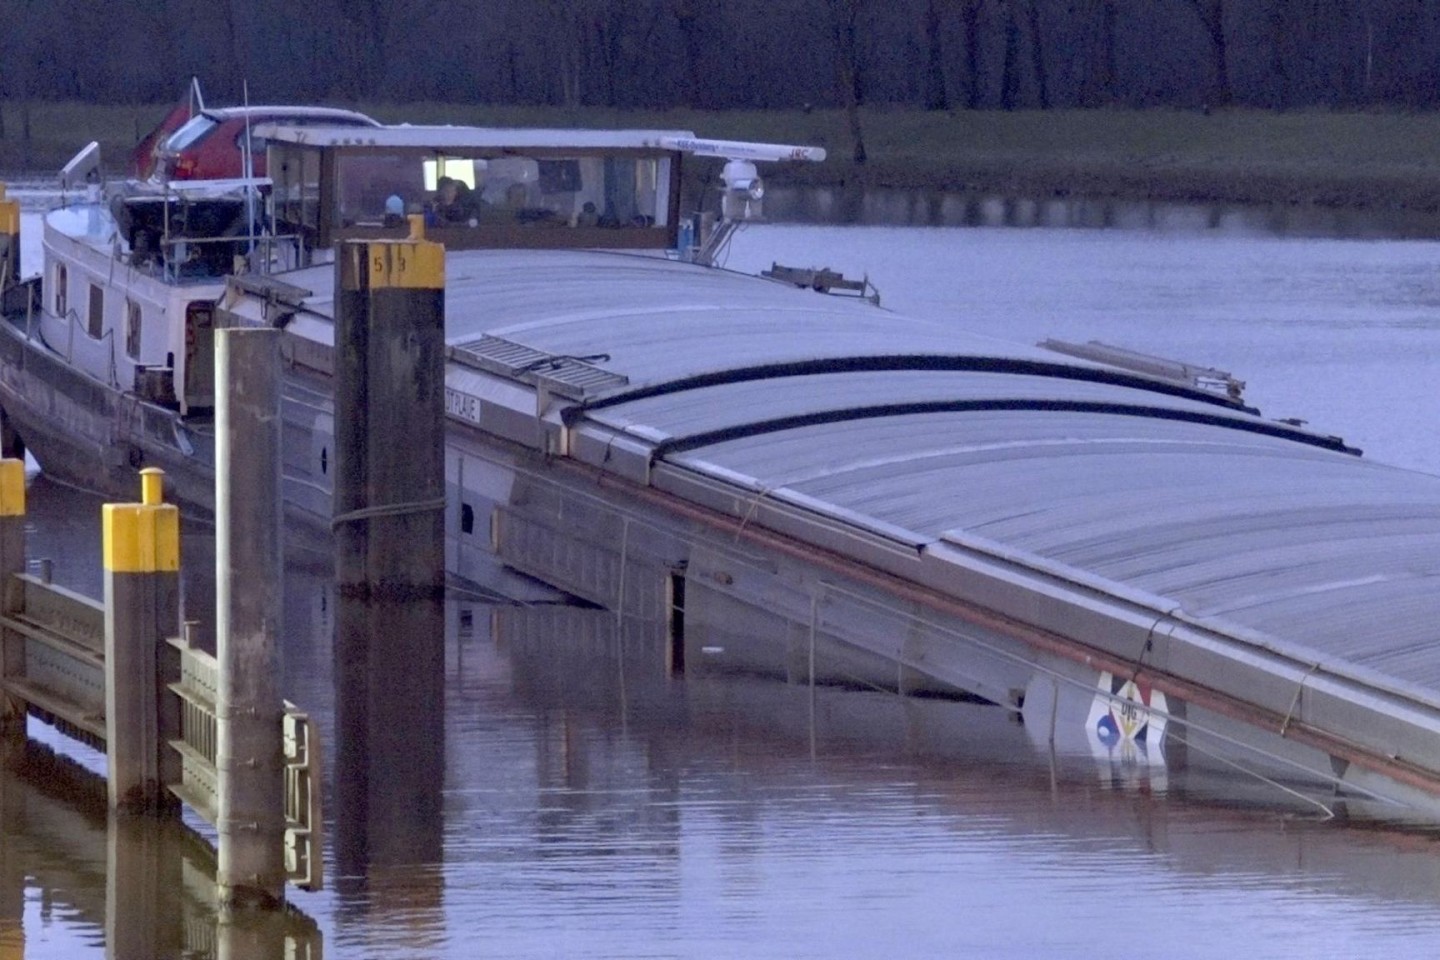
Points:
point(462, 405)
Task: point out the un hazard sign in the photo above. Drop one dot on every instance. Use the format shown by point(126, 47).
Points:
point(1127, 712)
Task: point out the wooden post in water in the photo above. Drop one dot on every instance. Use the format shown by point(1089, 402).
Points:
point(390, 552)
point(9, 241)
point(248, 600)
point(390, 420)
point(10, 445)
point(141, 550)
point(12, 561)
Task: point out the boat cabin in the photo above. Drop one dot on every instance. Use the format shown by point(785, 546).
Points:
point(477, 187)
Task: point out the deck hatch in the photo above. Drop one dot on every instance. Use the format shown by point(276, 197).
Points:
point(562, 374)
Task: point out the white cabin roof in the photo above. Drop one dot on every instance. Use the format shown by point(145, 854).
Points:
point(463, 138)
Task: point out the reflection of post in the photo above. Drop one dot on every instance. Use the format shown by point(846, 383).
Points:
point(12, 867)
point(389, 506)
point(12, 561)
point(258, 935)
point(141, 549)
point(248, 609)
point(142, 877)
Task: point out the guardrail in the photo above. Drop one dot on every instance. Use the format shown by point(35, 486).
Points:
point(111, 674)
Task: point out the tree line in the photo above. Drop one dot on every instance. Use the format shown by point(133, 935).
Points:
point(731, 54)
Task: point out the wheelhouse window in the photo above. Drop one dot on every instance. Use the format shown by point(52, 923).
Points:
point(62, 286)
point(191, 132)
point(95, 320)
point(132, 329)
point(548, 198)
point(295, 173)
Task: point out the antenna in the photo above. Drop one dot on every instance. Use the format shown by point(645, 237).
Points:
point(197, 99)
point(742, 150)
point(249, 172)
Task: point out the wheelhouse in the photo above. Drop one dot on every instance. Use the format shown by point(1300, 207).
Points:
point(520, 188)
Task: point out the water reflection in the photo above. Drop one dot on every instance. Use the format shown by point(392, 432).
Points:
point(877, 206)
point(559, 792)
point(389, 767)
point(124, 886)
point(563, 793)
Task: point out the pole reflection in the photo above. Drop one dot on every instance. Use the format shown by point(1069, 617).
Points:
point(389, 771)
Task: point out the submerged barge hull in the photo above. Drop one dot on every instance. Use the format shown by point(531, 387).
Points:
point(719, 593)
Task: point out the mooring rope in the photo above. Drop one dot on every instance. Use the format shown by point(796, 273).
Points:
point(388, 510)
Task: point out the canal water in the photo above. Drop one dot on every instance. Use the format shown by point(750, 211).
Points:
point(568, 798)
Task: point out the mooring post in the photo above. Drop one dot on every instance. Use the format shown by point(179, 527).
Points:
point(248, 598)
point(12, 561)
point(141, 550)
point(390, 419)
point(390, 551)
point(9, 241)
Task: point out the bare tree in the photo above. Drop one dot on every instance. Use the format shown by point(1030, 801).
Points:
point(970, 26)
point(844, 28)
point(688, 18)
point(1212, 19)
point(1010, 66)
point(1037, 56)
point(936, 96)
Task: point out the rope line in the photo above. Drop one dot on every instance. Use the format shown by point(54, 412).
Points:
point(387, 510)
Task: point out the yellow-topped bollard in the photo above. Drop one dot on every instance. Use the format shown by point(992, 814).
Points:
point(140, 543)
point(142, 537)
point(9, 241)
point(152, 486)
point(12, 488)
point(12, 562)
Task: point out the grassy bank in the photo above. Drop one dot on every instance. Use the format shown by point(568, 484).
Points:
point(1337, 159)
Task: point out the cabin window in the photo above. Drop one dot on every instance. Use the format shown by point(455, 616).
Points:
point(199, 354)
point(554, 198)
point(467, 518)
point(95, 322)
point(132, 329)
point(296, 191)
point(62, 284)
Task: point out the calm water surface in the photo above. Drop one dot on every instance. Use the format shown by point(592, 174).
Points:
point(571, 800)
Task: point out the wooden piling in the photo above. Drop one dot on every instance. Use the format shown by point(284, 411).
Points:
point(248, 573)
point(390, 419)
point(12, 561)
point(141, 551)
point(390, 552)
point(9, 241)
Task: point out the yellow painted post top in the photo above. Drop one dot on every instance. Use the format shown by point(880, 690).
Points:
point(142, 537)
point(152, 486)
point(417, 225)
point(396, 264)
point(9, 217)
point(12, 488)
